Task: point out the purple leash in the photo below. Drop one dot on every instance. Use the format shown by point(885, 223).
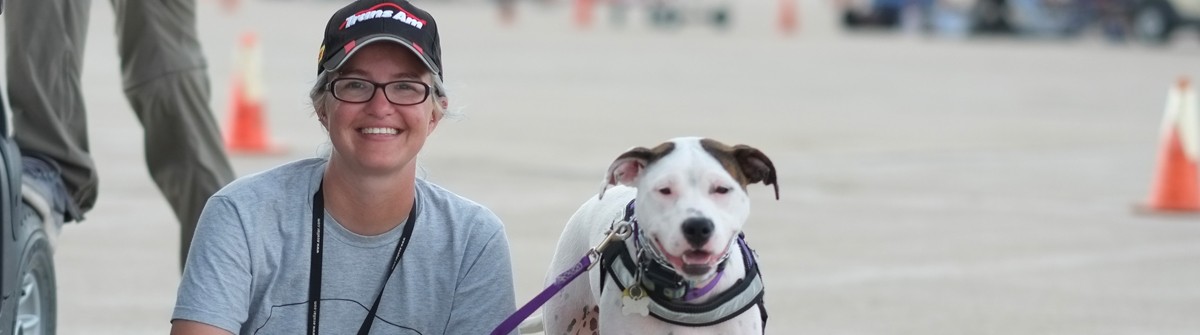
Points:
point(565, 278)
point(616, 235)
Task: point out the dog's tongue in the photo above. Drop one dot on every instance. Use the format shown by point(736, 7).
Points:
point(697, 257)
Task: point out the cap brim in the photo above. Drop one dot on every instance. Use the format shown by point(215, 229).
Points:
point(337, 60)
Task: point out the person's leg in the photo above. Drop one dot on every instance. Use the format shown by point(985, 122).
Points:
point(166, 81)
point(44, 51)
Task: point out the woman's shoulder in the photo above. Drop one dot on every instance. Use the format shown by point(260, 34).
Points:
point(456, 205)
point(443, 197)
point(295, 177)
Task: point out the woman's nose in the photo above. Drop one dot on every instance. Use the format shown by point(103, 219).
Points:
point(379, 104)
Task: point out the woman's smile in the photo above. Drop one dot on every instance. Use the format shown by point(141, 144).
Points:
point(379, 131)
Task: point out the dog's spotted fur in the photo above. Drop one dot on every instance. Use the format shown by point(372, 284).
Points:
point(588, 322)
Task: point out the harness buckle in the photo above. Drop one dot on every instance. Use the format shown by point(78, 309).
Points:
point(618, 233)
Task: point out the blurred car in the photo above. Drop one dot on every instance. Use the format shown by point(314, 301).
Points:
point(672, 13)
point(970, 17)
point(1154, 21)
point(858, 14)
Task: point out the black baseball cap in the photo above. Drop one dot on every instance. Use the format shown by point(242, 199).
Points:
point(364, 22)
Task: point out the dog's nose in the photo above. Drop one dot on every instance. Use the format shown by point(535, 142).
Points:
point(697, 230)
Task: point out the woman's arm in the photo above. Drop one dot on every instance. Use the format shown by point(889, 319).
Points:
point(484, 296)
point(215, 288)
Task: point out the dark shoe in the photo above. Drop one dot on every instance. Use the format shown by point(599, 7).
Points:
point(42, 187)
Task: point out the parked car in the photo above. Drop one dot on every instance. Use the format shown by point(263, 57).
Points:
point(969, 16)
point(981, 17)
point(671, 13)
point(859, 14)
point(1154, 21)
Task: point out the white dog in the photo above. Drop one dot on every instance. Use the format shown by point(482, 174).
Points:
point(684, 269)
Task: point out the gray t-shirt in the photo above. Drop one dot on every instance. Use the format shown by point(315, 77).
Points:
point(248, 268)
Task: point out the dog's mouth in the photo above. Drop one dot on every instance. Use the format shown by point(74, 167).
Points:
point(694, 262)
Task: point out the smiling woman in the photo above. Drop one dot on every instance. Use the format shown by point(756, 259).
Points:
point(379, 135)
point(353, 242)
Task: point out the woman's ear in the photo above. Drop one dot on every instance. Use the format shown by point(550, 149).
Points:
point(438, 113)
point(323, 118)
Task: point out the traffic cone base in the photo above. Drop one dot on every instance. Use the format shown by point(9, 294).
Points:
point(1176, 186)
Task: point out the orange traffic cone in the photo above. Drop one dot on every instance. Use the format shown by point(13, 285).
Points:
point(788, 21)
point(1177, 187)
point(247, 130)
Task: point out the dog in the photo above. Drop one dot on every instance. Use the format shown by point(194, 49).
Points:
point(684, 267)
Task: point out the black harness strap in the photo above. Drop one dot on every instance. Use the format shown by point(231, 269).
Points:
point(607, 257)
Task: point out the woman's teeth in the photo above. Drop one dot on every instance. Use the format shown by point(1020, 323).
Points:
point(388, 131)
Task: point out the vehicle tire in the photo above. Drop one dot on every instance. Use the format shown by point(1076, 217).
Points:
point(656, 16)
point(1153, 22)
point(851, 19)
point(720, 18)
point(670, 17)
point(37, 311)
point(990, 17)
point(664, 17)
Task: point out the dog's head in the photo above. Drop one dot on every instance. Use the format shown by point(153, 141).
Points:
point(691, 197)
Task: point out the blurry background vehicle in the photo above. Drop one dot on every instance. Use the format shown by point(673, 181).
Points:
point(1038, 17)
point(1154, 21)
point(1148, 20)
point(672, 13)
point(857, 14)
point(947, 16)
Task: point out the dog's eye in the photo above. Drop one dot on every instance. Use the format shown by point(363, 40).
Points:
point(721, 190)
point(664, 191)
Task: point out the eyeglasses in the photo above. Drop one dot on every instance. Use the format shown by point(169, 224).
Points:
point(400, 92)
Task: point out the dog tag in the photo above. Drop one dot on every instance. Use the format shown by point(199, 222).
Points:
point(633, 301)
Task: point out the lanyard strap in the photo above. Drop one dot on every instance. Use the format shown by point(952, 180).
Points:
point(314, 282)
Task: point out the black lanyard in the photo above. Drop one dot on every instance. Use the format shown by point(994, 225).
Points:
point(314, 283)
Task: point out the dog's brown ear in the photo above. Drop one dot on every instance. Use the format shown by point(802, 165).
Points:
point(626, 168)
point(629, 165)
point(756, 167)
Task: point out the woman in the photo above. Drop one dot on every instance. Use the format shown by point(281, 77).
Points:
point(388, 253)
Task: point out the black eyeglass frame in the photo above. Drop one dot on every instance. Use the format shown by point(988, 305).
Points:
point(377, 87)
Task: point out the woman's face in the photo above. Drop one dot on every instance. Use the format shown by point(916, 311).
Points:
point(376, 136)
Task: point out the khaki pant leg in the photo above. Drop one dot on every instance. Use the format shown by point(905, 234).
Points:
point(184, 150)
point(166, 82)
point(44, 43)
